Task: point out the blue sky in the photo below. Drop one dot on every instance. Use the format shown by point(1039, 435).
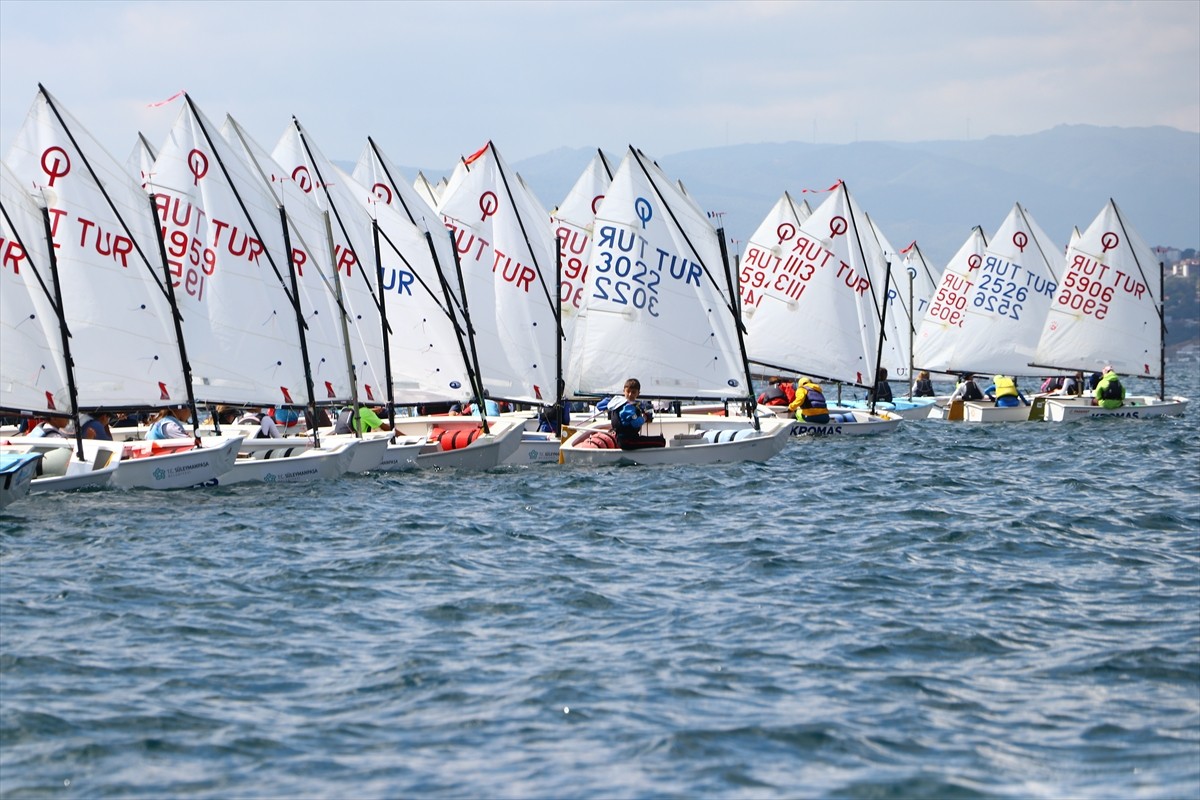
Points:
point(433, 81)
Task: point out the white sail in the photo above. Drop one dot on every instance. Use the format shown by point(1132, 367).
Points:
point(506, 251)
point(1007, 302)
point(224, 237)
point(32, 366)
point(937, 335)
point(894, 356)
point(428, 359)
point(386, 183)
point(818, 316)
point(923, 279)
point(572, 222)
point(140, 163)
point(425, 190)
point(1106, 310)
point(337, 194)
point(312, 260)
point(655, 306)
point(766, 249)
point(115, 297)
point(426, 362)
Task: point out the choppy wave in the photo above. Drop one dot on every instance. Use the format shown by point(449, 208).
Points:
point(949, 611)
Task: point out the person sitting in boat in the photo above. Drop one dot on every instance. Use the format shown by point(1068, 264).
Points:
point(1004, 391)
point(788, 388)
point(775, 394)
point(54, 426)
point(368, 420)
point(169, 424)
point(882, 391)
point(1052, 384)
point(1072, 385)
point(95, 426)
point(923, 387)
point(810, 405)
point(1109, 393)
point(967, 389)
point(267, 429)
point(490, 406)
point(628, 417)
point(552, 418)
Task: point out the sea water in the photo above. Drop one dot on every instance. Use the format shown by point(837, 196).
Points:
point(950, 610)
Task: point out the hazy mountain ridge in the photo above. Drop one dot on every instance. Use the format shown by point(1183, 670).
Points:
point(935, 192)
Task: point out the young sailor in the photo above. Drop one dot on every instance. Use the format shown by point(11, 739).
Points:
point(810, 405)
point(1005, 392)
point(627, 419)
point(1109, 393)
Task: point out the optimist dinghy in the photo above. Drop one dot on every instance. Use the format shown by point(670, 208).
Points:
point(1109, 312)
point(674, 326)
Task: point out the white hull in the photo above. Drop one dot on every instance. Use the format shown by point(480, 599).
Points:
point(1066, 409)
point(61, 470)
point(160, 465)
point(17, 475)
point(978, 411)
point(370, 453)
point(290, 463)
point(691, 439)
point(915, 409)
point(401, 454)
point(485, 452)
point(842, 422)
point(537, 447)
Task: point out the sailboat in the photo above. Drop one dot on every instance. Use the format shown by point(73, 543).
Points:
point(987, 314)
point(508, 256)
point(385, 267)
point(1108, 311)
point(660, 305)
point(242, 317)
point(895, 354)
point(817, 310)
point(324, 332)
point(118, 292)
point(572, 222)
point(36, 368)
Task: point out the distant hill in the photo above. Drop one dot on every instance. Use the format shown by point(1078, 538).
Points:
point(935, 192)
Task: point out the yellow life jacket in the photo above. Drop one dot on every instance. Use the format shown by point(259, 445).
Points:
point(1005, 386)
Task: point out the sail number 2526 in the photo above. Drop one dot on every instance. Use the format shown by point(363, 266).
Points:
point(999, 296)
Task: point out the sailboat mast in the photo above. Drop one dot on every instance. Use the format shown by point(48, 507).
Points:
point(470, 361)
point(1162, 339)
point(63, 332)
point(741, 332)
point(912, 326)
point(477, 388)
point(390, 390)
point(560, 385)
point(887, 283)
point(462, 328)
point(301, 325)
point(345, 316)
point(177, 319)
